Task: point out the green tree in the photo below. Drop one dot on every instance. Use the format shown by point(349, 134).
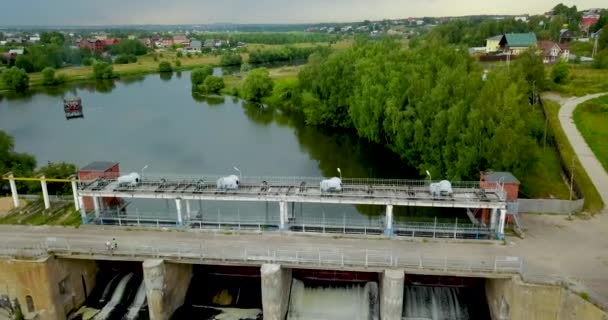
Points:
point(257, 85)
point(60, 170)
point(20, 164)
point(48, 76)
point(103, 70)
point(560, 72)
point(212, 84)
point(231, 59)
point(122, 59)
point(165, 66)
point(129, 47)
point(24, 62)
point(54, 37)
point(15, 78)
point(178, 63)
point(198, 75)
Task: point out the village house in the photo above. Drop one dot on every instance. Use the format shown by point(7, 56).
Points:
point(180, 40)
point(588, 20)
point(553, 52)
point(97, 45)
point(194, 47)
point(493, 43)
point(510, 43)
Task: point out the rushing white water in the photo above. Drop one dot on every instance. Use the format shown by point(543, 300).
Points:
point(106, 292)
point(433, 303)
point(138, 302)
point(356, 302)
point(116, 297)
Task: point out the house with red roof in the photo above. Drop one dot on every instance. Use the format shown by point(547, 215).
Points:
point(97, 46)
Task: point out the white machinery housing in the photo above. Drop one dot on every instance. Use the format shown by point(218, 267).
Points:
point(228, 183)
point(130, 180)
point(441, 188)
point(331, 185)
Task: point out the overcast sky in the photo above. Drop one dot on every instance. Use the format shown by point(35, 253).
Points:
point(103, 12)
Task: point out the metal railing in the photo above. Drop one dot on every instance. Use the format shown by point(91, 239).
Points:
point(292, 257)
point(359, 187)
point(344, 225)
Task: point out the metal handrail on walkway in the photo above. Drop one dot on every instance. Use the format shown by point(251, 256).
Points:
point(303, 258)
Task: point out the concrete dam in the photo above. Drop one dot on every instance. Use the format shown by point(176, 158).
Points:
point(71, 275)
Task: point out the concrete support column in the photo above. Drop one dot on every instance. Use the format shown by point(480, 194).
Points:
point(391, 294)
point(388, 228)
point(166, 287)
point(501, 224)
point(276, 288)
point(45, 193)
point(83, 212)
point(188, 210)
point(97, 206)
point(14, 193)
point(178, 205)
point(493, 216)
point(75, 193)
point(283, 214)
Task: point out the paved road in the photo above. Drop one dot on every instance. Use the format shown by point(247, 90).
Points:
point(594, 168)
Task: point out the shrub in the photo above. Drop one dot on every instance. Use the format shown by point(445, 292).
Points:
point(188, 55)
point(212, 84)
point(132, 58)
point(180, 54)
point(87, 61)
point(15, 78)
point(257, 85)
point(103, 70)
point(231, 59)
point(48, 76)
point(198, 75)
point(178, 63)
point(561, 73)
point(122, 59)
point(165, 66)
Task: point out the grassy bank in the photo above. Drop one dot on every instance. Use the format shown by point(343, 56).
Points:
point(34, 214)
point(591, 119)
point(593, 201)
point(584, 80)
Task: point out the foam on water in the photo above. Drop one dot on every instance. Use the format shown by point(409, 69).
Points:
point(433, 303)
point(354, 302)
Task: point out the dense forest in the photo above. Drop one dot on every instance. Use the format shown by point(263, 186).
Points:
point(429, 104)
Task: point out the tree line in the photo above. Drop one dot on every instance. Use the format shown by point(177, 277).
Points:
point(430, 104)
point(269, 37)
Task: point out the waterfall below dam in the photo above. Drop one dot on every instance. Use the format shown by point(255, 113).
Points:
point(433, 303)
point(350, 302)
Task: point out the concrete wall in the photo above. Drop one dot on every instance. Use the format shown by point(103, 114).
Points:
point(56, 286)
point(166, 287)
point(554, 206)
point(276, 289)
point(391, 294)
point(512, 299)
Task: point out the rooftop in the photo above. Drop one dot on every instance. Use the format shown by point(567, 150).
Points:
point(506, 177)
point(521, 39)
point(498, 37)
point(98, 166)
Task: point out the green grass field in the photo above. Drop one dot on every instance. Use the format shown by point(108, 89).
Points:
point(584, 80)
point(593, 201)
point(591, 119)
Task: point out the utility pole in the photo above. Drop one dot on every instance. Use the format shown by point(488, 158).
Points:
point(545, 135)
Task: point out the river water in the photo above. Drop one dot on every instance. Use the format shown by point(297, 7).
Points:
point(156, 120)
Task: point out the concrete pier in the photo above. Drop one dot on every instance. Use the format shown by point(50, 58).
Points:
point(276, 288)
point(166, 287)
point(391, 294)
